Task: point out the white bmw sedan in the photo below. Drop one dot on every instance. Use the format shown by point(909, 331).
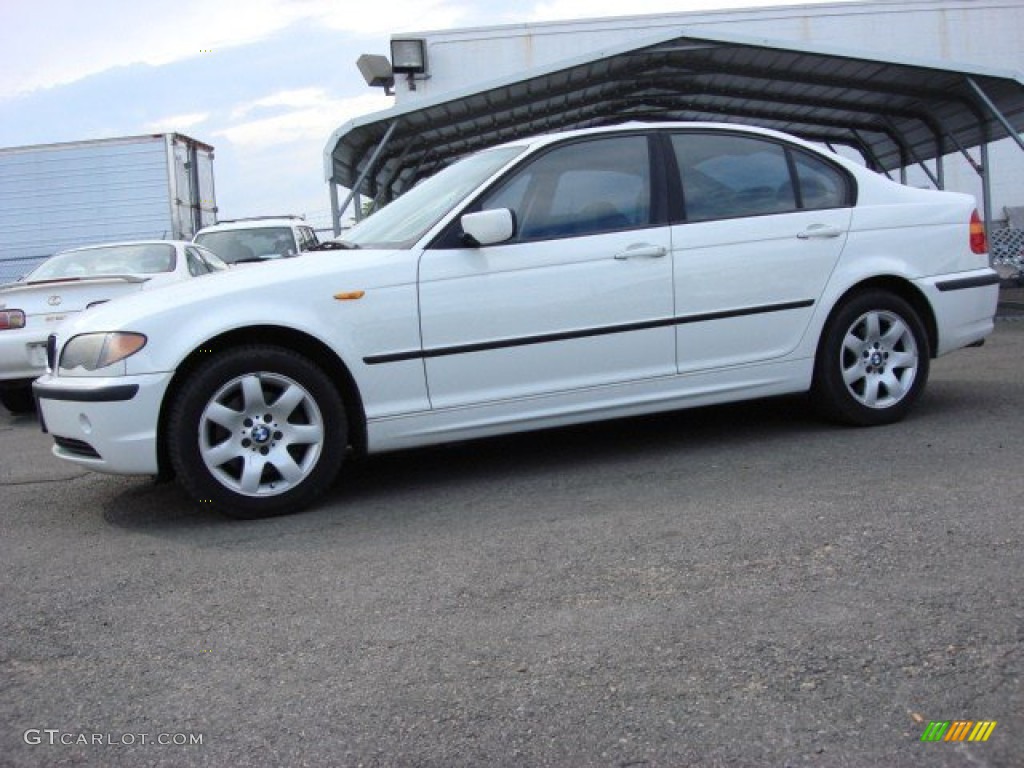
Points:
point(72, 281)
point(545, 282)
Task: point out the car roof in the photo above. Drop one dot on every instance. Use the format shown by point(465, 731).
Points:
point(604, 130)
point(534, 142)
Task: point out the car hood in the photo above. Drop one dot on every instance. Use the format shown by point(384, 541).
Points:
point(277, 285)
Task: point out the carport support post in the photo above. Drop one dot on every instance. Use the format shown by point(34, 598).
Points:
point(335, 213)
point(982, 170)
point(986, 187)
point(369, 167)
point(985, 181)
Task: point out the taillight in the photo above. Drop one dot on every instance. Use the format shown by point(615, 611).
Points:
point(979, 244)
point(11, 318)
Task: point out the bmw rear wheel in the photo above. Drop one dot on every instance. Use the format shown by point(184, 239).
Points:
point(873, 360)
point(257, 431)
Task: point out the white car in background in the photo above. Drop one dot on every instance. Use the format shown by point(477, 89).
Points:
point(261, 238)
point(569, 278)
point(72, 281)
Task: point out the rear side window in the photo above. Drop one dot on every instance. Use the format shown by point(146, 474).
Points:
point(579, 189)
point(821, 185)
point(726, 176)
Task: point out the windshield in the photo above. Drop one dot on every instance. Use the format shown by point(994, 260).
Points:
point(250, 244)
point(143, 259)
point(401, 223)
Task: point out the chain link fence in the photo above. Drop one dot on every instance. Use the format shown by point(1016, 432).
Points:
point(1007, 247)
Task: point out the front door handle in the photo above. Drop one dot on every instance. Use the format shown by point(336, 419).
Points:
point(819, 230)
point(642, 252)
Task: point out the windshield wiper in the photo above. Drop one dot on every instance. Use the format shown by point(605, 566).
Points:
point(336, 245)
point(250, 260)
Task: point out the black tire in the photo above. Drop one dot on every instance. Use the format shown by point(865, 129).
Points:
point(257, 431)
point(873, 360)
point(18, 399)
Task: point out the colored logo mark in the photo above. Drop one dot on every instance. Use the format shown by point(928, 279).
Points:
point(958, 730)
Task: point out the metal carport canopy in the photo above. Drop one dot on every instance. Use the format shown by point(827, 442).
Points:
point(895, 112)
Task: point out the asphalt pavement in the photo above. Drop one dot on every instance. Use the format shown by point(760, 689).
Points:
point(740, 586)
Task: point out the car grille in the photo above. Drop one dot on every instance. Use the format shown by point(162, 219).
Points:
point(77, 447)
point(51, 353)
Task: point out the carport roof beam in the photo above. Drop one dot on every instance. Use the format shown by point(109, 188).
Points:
point(893, 108)
point(1011, 132)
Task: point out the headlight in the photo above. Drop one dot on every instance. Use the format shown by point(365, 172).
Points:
point(99, 354)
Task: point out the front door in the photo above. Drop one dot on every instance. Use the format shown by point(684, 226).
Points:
point(580, 297)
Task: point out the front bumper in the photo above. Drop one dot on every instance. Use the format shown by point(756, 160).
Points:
point(105, 424)
point(964, 306)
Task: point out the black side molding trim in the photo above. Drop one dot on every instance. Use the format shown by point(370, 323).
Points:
point(113, 394)
point(968, 282)
point(484, 346)
point(745, 312)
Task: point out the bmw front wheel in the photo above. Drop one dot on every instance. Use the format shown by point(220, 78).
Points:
point(257, 431)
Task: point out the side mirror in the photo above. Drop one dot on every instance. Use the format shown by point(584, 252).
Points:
point(488, 227)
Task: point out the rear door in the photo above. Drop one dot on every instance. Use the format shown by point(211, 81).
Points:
point(763, 226)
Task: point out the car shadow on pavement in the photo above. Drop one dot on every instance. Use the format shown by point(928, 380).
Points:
point(160, 506)
point(397, 487)
point(550, 451)
point(155, 504)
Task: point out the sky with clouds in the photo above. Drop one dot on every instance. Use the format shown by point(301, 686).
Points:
point(264, 81)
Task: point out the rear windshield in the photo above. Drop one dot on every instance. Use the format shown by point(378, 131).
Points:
point(143, 259)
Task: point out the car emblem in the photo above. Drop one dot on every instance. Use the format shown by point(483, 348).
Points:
point(53, 301)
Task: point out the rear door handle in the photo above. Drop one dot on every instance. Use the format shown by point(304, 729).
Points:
point(642, 252)
point(819, 230)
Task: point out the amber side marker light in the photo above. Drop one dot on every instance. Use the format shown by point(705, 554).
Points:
point(979, 243)
point(349, 295)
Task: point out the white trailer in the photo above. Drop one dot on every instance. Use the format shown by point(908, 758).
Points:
point(55, 196)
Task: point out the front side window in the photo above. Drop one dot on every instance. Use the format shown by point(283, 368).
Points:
point(583, 188)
